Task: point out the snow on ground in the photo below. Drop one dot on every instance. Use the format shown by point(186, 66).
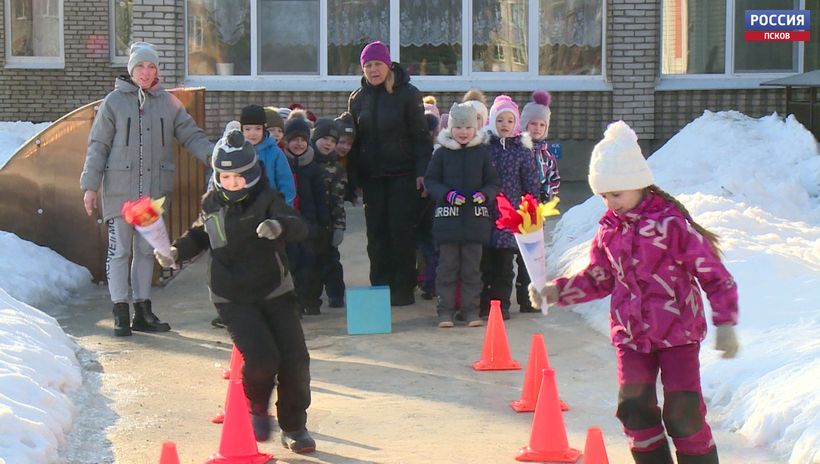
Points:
point(38, 366)
point(15, 134)
point(756, 183)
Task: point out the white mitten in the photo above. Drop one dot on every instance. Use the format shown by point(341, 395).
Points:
point(269, 229)
point(535, 296)
point(550, 292)
point(726, 341)
point(167, 261)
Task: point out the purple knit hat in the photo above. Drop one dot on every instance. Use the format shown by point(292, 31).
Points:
point(375, 51)
point(501, 104)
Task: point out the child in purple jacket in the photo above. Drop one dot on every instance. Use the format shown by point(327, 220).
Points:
point(511, 153)
point(653, 259)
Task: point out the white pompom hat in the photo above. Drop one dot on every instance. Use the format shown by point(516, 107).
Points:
point(617, 163)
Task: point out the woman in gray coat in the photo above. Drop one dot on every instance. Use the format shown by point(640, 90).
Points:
point(130, 156)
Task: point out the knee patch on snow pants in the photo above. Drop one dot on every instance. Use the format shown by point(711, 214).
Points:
point(638, 406)
point(682, 414)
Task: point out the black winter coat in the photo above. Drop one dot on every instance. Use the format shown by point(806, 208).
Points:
point(392, 138)
point(465, 169)
point(243, 267)
point(310, 191)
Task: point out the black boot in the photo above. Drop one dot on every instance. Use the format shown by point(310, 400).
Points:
point(122, 320)
point(660, 455)
point(708, 458)
point(145, 320)
point(299, 441)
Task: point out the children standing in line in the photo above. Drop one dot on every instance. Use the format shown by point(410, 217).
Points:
point(254, 122)
point(535, 120)
point(462, 181)
point(312, 205)
point(246, 224)
point(653, 259)
point(426, 254)
point(347, 135)
point(518, 173)
point(330, 271)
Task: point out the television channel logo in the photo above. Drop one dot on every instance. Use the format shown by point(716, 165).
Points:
point(777, 25)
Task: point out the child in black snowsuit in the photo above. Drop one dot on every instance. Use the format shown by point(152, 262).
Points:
point(245, 224)
point(312, 205)
point(462, 181)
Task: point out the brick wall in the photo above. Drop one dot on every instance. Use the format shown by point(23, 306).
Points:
point(633, 31)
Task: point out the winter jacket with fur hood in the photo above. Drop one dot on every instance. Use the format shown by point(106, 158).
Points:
point(466, 169)
point(243, 267)
point(130, 151)
point(653, 264)
point(392, 138)
point(518, 173)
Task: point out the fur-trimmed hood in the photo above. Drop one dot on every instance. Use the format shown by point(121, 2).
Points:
point(445, 138)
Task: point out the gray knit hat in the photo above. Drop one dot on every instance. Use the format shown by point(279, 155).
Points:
point(462, 115)
point(142, 51)
point(537, 109)
point(235, 154)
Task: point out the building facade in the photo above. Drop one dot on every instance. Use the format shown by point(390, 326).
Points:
point(655, 64)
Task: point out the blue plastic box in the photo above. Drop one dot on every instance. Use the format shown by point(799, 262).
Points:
point(368, 310)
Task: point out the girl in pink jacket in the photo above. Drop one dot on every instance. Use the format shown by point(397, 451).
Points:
point(653, 260)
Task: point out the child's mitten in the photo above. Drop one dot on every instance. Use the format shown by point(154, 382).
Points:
point(455, 198)
point(166, 261)
point(726, 341)
point(549, 291)
point(269, 229)
point(479, 198)
point(338, 236)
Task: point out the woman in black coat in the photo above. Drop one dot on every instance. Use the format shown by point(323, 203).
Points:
point(388, 162)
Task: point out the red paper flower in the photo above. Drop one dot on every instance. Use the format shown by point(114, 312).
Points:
point(142, 212)
point(509, 218)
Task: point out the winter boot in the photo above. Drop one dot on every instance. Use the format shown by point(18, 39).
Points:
point(660, 455)
point(708, 458)
point(122, 320)
point(261, 426)
point(145, 320)
point(299, 441)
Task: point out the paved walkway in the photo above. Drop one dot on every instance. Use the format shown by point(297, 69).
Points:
point(405, 397)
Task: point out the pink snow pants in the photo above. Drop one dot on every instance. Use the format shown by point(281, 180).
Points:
point(684, 412)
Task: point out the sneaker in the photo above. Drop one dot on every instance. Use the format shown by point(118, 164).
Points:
point(217, 323)
point(312, 311)
point(446, 325)
point(336, 303)
point(261, 427)
point(445, 321)
point(299, 442)
point(475, 323)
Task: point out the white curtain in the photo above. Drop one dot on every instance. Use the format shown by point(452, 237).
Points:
point(430, 22)
point(355, 22)
point(571, 22)
point(230, 17)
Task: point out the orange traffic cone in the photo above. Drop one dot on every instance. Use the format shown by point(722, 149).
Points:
point(594, 449)
point(537, 362)
point(238, 444)
point(235, 372)
point(548, 438)
point(495, 355)
point(169, 453)
point(234, 364)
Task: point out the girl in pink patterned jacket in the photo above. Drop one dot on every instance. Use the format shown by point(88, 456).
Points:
point(653, 260)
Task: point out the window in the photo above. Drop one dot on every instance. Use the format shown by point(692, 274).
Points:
point(695, 39)
point(352, 24)
point(570, 37)
point(430, 36)
point(477, 39)
point(288, 36)
point(500, 26)
point(121, 11)
point(35, 33)
point(219, 37)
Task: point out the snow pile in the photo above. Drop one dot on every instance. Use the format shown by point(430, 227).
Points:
point(35, 274)
point(14, 134)
point(756, 183)
point(37, 371)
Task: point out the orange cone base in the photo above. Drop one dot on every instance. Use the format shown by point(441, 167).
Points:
point(496, 366)
point(219, 418)
point(530, 455)
point(527, 406)
point(259, 458)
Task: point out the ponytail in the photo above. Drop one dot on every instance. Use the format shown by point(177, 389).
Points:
point(711, 237)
